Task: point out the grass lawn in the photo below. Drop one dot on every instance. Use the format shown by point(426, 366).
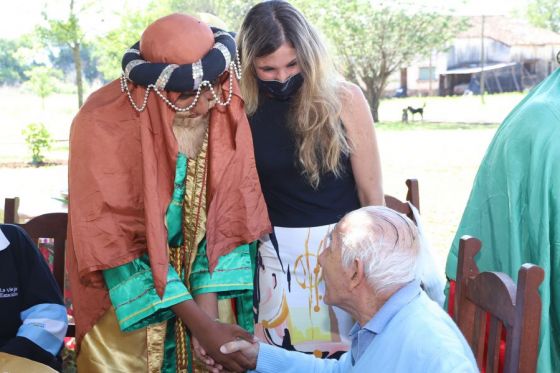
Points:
point(455, 109)
point(443, 155)
point(445, 163)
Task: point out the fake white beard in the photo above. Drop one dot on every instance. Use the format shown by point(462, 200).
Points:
point(190, 133)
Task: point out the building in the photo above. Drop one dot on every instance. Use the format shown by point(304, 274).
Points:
point(517, 56)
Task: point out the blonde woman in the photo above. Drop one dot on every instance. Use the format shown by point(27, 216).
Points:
point(317, 159)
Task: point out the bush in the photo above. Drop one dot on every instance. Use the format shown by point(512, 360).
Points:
point(38, 140)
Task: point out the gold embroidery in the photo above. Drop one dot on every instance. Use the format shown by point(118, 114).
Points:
point(194, 230)
point(155, 339)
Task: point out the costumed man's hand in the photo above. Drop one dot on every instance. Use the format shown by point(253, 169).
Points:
point(213, 334)
point(204, 358)
point(219, 334)
point(208, 302)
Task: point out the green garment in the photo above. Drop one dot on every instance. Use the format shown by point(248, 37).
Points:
point(514, 206)
point(134, 297)
point(231, 278)
point(137, 305)
point(131, 286)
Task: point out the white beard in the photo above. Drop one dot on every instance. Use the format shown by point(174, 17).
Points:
point(190, 133)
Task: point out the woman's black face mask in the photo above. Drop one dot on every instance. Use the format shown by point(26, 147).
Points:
point(281, 90)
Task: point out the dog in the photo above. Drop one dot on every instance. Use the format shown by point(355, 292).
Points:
point(404, 117)
point(419, 110)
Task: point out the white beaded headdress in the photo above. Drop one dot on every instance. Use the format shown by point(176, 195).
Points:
point(159, 77)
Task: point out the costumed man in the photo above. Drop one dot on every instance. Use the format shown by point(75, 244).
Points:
point(514, 206)
point(163, 200)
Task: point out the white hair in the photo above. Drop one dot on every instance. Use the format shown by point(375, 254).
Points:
point(385, 241)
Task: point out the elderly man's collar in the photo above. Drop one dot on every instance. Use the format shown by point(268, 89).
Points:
point(161, 77)
point(389, 309)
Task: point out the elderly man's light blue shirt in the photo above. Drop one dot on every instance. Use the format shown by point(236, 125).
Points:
point(362, 337)
point(410, 333)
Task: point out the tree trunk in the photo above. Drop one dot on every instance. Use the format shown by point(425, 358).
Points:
point(375, 106)
point(375, 88)
point(78, 66)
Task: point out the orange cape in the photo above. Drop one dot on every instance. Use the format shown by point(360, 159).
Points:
point(121, 175)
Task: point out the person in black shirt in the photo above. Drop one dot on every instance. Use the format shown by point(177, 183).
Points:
point(33, 319)
point(317, 158)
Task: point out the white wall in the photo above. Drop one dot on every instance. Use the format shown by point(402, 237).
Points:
point(467, 50)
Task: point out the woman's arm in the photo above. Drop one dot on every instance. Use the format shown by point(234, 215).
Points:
point(366, 165)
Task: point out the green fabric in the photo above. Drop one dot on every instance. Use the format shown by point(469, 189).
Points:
point(514, 206)
point(244, 303)
point(134, 297)
point(169, 351)
point(136, 302)
point(174, 215)
point(232, 276)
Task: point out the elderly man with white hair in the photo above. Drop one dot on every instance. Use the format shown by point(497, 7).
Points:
point(369, 271)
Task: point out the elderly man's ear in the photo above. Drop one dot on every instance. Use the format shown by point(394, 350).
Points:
point(357, 276)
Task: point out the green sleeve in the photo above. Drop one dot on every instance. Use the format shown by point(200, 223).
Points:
point(232, 277)
point(244, 303)
point(136, 302)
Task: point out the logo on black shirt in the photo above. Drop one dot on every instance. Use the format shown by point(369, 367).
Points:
point(8, 292)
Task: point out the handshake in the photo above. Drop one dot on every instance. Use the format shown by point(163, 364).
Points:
point(237, 355)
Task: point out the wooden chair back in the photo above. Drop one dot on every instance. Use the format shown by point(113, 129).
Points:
point(51, 225)
point(487, 303)
point(412, 196)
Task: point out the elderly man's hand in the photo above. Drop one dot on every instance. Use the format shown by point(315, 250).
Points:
point(250, 350)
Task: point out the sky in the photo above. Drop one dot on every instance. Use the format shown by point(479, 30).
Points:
point(20, 16)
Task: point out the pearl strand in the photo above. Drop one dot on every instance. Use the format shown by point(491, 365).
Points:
point(234, 68)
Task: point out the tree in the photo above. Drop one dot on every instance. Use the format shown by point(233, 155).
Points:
point(38, 140)
point(43, 81)
point(545, 13)
point(231, 12)
point(110, 48)
point(375, 40)
point(67, 33)
point(62, 59)
point(11, 69)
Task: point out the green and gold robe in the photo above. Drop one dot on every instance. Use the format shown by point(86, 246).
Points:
point(152, 332)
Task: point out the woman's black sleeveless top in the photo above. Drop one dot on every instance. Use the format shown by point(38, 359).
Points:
point(291, 200)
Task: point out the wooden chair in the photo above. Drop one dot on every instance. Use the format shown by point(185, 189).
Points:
point(52, 225)
point(412, 196)
point(493, 296)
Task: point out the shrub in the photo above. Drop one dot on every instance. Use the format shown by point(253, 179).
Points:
point(38, 140)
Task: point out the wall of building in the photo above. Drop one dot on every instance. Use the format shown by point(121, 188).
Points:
point(467, 51)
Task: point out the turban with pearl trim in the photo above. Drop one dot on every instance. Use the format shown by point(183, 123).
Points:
point(185, 77)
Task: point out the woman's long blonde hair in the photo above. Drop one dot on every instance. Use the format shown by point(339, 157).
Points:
point(315, 115)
